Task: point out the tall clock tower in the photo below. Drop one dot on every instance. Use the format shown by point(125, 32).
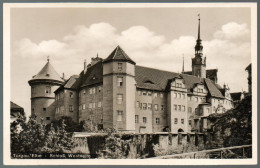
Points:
point(199, 62)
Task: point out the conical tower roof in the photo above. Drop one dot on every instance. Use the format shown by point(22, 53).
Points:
point(47, 73)
point(118, 54)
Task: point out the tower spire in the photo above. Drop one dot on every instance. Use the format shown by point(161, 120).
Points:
point(182, 63)
point(199, 27)
point(198, 46)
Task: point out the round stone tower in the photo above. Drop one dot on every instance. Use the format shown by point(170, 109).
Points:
point(43, 86)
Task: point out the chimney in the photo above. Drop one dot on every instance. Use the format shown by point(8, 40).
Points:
point(85, 66)
point(63, 76)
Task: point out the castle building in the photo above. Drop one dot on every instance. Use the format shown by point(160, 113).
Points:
point(116, 93)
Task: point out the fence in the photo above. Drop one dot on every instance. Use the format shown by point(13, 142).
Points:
point(218, 153)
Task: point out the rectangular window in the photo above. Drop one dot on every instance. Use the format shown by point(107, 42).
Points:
point(156, 107)
point(44, 109)
point(155, 95)
point(99, 104)
point(119, 98)
point(48, 118)
point(144, 93)
point(149, 93)
point(183, 96)
point(179, 95)
point(157, 120)
point(189, 122)
point(190, 109)
point(161, 95)
point(182, 121)
point(62, 109)
point(144, 120)
point(175, 95)
point(175, 120)
point(48, 90)
point(99, 89)
point(175, 107)
point(119, 81)
point(71, 95)
point(144, 106)
point(162, 107)
point(179, 107)
point(71, 108)
point(183, 108)
point(94, 105)
point(90, 105)
point(207, 110)
point(120, 66)
point(141, 106)
point(137, 104)
point(90, 91)
point(84, 106)
point(149, 106)
point(136, 119)
point(84, 91)
point(119, 115)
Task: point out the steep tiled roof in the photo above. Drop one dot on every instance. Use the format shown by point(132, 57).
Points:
point(94, 75)
point(47, 72)
point(210, 73)
point(71, 83)
point(15, 106)
point(118, 55)
point(160, 79)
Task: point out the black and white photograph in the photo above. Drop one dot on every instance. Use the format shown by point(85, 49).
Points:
point(120, 83)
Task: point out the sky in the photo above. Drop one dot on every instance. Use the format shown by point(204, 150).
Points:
point(152, 37)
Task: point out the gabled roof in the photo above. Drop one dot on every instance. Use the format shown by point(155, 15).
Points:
point(213, 89)
point(47, 73)
point(118, 54)
point(94, 75)
point(71, 83)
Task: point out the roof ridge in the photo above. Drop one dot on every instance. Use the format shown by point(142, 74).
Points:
point(158, 69)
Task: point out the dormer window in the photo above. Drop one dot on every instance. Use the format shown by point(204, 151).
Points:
point(149, 82)
point(47, 75)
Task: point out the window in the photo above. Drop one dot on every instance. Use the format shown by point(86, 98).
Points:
point(119, 115)
point(182, 121)
point(141, 105)
point(71, 95)
point(144, 106)
point(149, 94)
point(71, 108)
point(90, 91)
point(201, 99)
point(137, 104)
point(156, 107)
point(162, 107)
point(99, 89)
point(90, 105)
point(84, 106)
point(214, 108)
point(180, 85)
point(179, 95)
point(94, 90)
point(139, 93)
point(196, 111)
point(196, 98)
point(136, 118)
point(207, 110)
point(175, 120)
point(62, 109)
point(44, 109)
point(183, 108)
point(189, 109)
point(144, 119)
point(120, 66)
point(189, 122)
point(144, 93)
point(155, 94)
point(48, 118)
point(183, 96)
point(149, 106)
point(179, 107)
point(157, 120)
point(99, 104)
point(119, 98)
point(175, 107)
point(84, 91)
point(175, 95)
point(119, 81)
point(161, 95)
point(48, 89)
point(58, 110)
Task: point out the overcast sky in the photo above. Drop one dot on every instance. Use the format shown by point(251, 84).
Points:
point(153, 37)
